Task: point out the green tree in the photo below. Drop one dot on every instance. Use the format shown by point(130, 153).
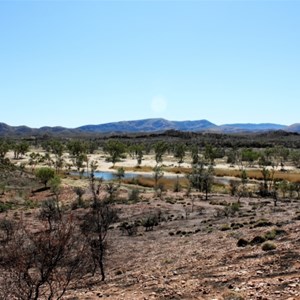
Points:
point(120, 174)
point(232, 157)
point(179, 152)
point(57, 148)
point(210, 154)
point(266, 174)
point(157, 175)
point(115, 149)
point(20, 149)
point(93, 166)
point(78, 161)
point(284, 187)
point(55, 186)
point(47, 159)
point(195, 154)
point(201, 178)
point(160, 148)
point(76, 147)
point(295, 157)
point(239, 188)
point(34, 159)
point(91, 146)
point(4, 148)
point(207, 181)
point(282, 154)
point(139, 153)
point(45, 174)
point(249, 156)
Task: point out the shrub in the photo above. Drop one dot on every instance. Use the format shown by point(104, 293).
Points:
point(263, 223)
point(233, 296)
point(6, 229)
point(170, 200)
point(129, 228)
point(2, 189)
point(4, 206)
point(272, 234)
point(177, 186)
point(150, 222)
point(268, 246)
point(134, 195)
point(231, 210)
point(257, 240)
point(31, 204)
point(236, 225)
point(79, 203)
point(242, 243)
point(225, 227)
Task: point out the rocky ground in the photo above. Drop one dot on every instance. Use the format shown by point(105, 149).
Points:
point(194, 255)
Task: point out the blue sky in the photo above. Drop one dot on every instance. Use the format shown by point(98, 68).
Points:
point(72, 63)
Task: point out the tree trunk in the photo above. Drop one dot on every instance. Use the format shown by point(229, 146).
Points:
point(101, 265)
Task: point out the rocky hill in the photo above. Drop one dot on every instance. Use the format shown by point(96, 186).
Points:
point(148, 125)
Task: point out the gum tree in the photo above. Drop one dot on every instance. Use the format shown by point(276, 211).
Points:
point(160, 148)
point(115, 149)
point(45, 174)
point(179, 152)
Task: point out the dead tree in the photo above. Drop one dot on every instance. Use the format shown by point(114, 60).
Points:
point(40, 264)
point(95, 227)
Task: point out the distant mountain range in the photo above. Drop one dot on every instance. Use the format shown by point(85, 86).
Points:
point(148, 125)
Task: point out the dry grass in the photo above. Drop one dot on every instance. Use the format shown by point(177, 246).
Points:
point(179, 170)
point(290, 176)
point(252, 174)
point(136, 169)
point(257, 174)
point(167, 183)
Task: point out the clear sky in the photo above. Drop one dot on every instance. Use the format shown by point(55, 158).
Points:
point(72, 63)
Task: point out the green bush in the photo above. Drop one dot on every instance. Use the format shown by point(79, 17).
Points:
point(272, 234)
point(30, 204)
point(225, 227)
point(268, 246)
point(5, 206)
point(44, 174)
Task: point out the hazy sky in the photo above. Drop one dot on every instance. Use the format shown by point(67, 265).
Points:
point(72, 63)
